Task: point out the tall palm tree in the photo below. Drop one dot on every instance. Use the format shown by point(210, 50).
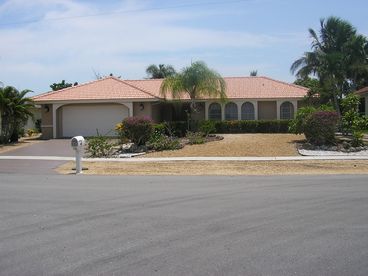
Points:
point(196, 81)
point(160, 72)
point(338, 58)
point(15, 109)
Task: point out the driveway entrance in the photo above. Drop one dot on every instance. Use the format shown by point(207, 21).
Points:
point(54, 147)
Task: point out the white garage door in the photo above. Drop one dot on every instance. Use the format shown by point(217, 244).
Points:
point(85, 119)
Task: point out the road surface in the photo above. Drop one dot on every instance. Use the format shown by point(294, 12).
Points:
point(91, 225)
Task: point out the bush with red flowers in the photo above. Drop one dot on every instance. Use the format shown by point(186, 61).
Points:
point(320, 127)
point(138, 129)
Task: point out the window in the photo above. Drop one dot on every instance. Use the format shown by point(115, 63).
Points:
point(286, 111)
point(231, 112)
point(247, 111)
point(214, 112)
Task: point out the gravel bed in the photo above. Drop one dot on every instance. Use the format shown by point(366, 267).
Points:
point(330, 152)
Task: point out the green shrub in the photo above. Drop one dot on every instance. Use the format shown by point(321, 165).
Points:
point(195, 138)
point(357, 139)
point(121, 133)
point(349, 112)
point(207, 127)
point(297, 126)
point(320, 127)
point(19, 132)
point(161, 128)
point(138, 129)
point(178, 129)
point(31, 132)
point(160, 141)
point(38, 125)
point(351, 121)
point(257, 126)
point(99, 146)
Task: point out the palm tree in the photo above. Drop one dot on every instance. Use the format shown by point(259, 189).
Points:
point(253, 73)
point(15, 109)
point(60, 85)
point(196, 81)
point(338, 58)
point(160, 72)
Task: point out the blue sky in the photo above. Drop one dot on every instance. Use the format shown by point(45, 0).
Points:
point(45, 41)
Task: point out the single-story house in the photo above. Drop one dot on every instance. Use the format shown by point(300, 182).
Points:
point(31, 122)
point(363, 93)
point(101, 104)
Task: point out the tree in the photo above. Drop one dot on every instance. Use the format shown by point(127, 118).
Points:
point(15, 109)
point(160, 72)
point(351, 121)
point(196, 81)
point(316, 94)
point(339, 59)
point(311, 83)
point(99, 76)
point(253, 73)
point(61, 85)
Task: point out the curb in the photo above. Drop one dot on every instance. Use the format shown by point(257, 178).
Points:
point(171, 159)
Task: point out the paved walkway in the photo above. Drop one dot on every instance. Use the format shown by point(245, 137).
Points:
point(169, 159)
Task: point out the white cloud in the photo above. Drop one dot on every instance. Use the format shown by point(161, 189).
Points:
point(50, 49)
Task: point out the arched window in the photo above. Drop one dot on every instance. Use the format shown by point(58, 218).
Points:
point(286, 111)
point(247, 111)
point(231, 112)
point(214, 112)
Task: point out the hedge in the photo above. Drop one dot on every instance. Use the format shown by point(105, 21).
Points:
point(179, 128)
point(257, 126)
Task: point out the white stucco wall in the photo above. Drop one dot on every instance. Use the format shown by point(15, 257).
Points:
point(31, 122)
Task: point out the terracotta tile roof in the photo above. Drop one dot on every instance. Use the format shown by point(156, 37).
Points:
point(362, 90)
point(263, 88)
point(111, 88)
point(241, 88)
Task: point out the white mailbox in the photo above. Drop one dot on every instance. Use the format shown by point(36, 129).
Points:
point(77, 144)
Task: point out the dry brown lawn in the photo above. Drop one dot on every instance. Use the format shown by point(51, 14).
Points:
point(240, 145)
point(232, 145)
point(221, 168)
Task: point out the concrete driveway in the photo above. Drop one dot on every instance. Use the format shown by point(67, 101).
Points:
point(54, 147)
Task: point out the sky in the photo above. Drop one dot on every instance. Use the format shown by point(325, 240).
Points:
point(46, 41)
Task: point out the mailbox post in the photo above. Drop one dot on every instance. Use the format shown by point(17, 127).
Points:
point(77, 144)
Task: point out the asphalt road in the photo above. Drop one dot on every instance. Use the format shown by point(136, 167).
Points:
point(88, 225)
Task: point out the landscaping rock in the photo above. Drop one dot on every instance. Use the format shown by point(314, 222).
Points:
point(346, 145)
point(127, 146)
point(130, 155)
point(324, 147)
point(308, 146)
